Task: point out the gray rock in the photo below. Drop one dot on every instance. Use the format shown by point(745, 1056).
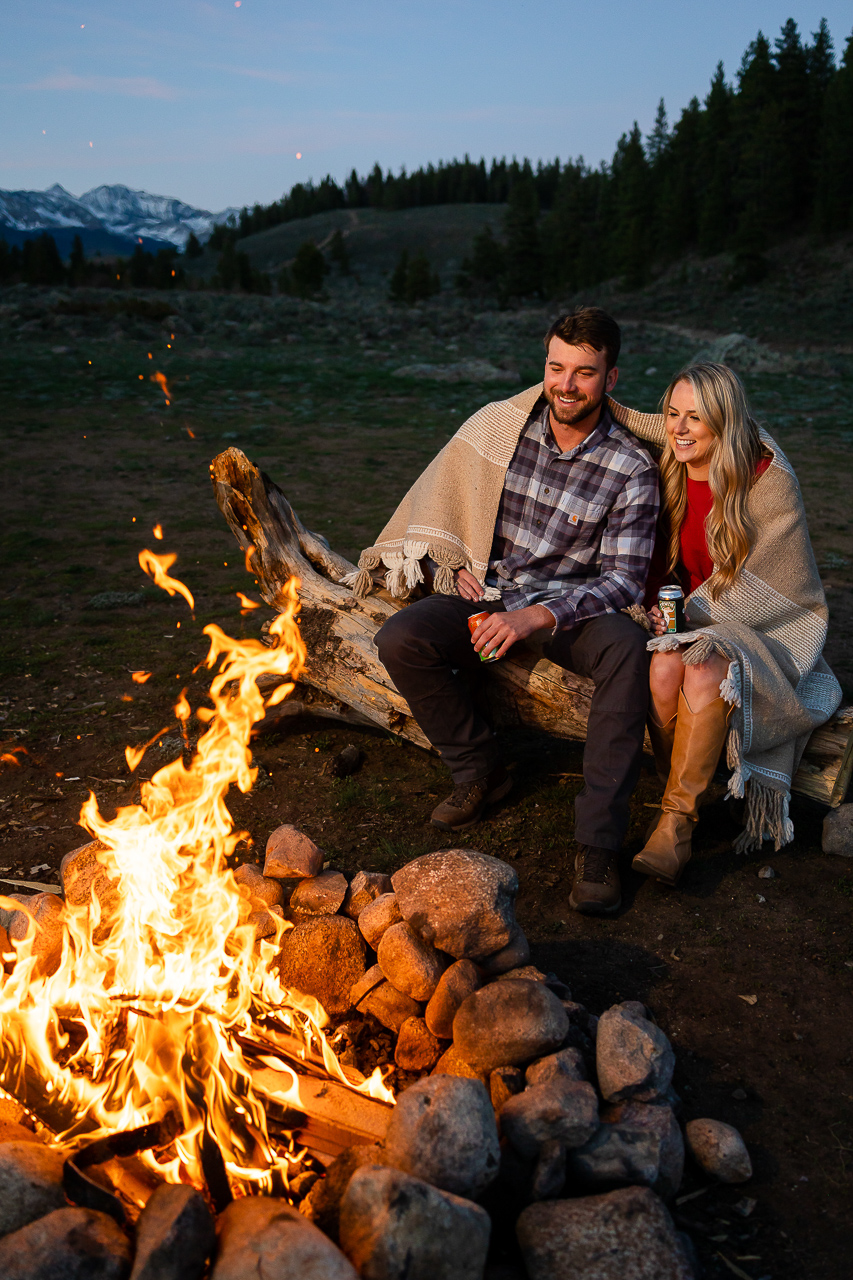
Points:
point(417, 1048)
point(6, 913)
point(560, 1110)
point(410, 964)
point(324, 956)
point(347, 762)
point(719, 1149)
point(837, 834)
point(459, 371)
point(67, 1244)
point(508, 1023)
point(567, 1064)
point(323, 1204)
point(263, 890)
point(372, 979)
point(549, 1176)
point(261, 1236)
point(320, 895)
point(365, 887)
point(658, 1120)
point(174, 1235)
point(443, 1129)
point(389, 1006)
point(82, 875)
point(292, 855)
point(633, 1057)
point(43, 923)
point(30, 1183)
point(504, 1083)
point(514, 955)
point(378, 916)
point(396, 1227)
point(766, 873)
point(455, 985)
point(528, 971)
point(460, 900)
point(639, 1143)
point(624, 1235)
point(451, 1063)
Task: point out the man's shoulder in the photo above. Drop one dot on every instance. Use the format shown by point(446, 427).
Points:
point(625, 452)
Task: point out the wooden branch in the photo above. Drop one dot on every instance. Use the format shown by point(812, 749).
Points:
point(338, 630)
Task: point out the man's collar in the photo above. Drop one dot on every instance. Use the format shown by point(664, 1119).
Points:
point(599, 432)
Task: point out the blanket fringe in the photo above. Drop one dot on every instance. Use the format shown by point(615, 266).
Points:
point(766, 818)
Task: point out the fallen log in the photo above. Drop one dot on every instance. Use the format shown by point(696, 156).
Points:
point(338, 629)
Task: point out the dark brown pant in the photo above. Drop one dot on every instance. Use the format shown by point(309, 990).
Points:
point(427, 651)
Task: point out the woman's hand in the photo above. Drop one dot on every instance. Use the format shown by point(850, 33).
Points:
point(656, 619)
point(467, 586)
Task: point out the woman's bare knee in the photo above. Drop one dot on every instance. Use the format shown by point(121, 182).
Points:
point(666, 676)
point(702, 681)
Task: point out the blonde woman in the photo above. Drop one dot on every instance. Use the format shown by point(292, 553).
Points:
point(748, 668)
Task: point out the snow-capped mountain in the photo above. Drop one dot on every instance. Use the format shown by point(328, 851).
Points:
point(115, 209)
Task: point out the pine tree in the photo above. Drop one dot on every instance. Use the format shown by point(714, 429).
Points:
point(656, 142)
point(834, 203)
point(629, 241)
point(308, 270)
point(77, 262)
point(524, 259)
point(716, 216)
point(193, 247)
point(482, 270)
point(421, 281)
point(677, 201)
point(399, 279)
point(795, 127)
point(339, 253)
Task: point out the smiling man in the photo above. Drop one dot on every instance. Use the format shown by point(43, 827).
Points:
point(570, 529)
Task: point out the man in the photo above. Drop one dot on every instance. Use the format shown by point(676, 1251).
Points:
point(572, 529)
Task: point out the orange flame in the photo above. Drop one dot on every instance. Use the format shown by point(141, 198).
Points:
point(139, 677)
point(158, 532)
point(247, 604)
point(156, 566)
point(160, 379)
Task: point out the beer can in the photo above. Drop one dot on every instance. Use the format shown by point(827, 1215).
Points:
point(473, 623)
point(671, 605)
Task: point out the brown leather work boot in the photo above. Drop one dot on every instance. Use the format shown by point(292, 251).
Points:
point(465, 804)
point(597, 889)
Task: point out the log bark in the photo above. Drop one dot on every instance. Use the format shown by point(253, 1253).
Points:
point(338, 630)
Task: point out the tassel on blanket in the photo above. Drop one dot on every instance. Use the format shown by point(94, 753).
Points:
point(766, 818)
point(360, 581)
point(637, 614)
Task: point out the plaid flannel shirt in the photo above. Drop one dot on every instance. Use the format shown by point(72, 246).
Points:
point(575, 530)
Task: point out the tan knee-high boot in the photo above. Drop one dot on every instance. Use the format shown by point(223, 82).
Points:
point(698, 741)
point(661, 737)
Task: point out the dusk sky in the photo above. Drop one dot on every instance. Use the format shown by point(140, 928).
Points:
point(210, 100)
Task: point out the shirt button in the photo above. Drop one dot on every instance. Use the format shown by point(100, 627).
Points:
point(547, 490)
point(538, 522)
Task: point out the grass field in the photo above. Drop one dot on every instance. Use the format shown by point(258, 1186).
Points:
point(94, 458)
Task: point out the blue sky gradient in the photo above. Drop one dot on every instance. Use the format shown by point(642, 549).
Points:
point(210, 101)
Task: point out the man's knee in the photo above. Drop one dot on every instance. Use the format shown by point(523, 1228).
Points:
point(620, 648)
point(394, 637)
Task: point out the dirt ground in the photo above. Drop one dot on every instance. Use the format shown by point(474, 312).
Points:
point(94, 459)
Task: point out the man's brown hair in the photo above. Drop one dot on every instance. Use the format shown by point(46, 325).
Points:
point(588, 327)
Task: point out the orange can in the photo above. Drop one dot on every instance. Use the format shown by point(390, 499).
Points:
point(473, 623)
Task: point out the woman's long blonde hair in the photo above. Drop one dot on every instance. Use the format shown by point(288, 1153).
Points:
point(722, 406)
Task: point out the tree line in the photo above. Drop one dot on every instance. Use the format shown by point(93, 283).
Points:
point(38, 261)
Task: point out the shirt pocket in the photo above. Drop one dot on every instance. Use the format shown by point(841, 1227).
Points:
point(579, 514)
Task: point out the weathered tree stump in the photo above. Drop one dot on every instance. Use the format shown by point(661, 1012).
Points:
point(338, 629)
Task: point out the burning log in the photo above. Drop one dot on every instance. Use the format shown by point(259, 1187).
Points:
point(338, 630)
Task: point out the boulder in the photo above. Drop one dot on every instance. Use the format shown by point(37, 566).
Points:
point(508, 1023)
point(67, 1244)
point(84, 874)
point(365, 887)
point(514, 955)
point(632, 1147)
point(378, 916)
point(451, 1063)
point(658, 1120)
point(291, 855)
point(263, 890)
point(372, 979)
point(396, 1227)
point(455, 985)
point(410, 964)
point(549, 1175)
point(504, 1083)
point(42, 924)
point(30, 1183)
point(633, 1057)
point(262, 1236)
point(719, 1149)
point(324, 956)
point(389, 1006)
point(323, 1202)
point(560, 1110)
point(264, 920)
point(443, 1130)
point(417, 1048)
point(174, 1235)
point(566, 1064)
point(320, 895)
point(624, 1235)
point(459, 900)
point(837, 834)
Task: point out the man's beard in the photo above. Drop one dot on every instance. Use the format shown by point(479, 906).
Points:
point(568, 414)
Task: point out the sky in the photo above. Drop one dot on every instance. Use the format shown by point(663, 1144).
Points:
point(229, 102)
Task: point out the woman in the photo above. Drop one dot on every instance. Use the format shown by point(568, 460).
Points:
point(748, 667)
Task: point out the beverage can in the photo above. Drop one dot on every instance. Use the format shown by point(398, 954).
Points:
point(473, 623)
point(671, 605)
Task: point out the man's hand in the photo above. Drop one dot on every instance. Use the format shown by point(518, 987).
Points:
point(499, 632)
point(467, 585)
point(656, 619)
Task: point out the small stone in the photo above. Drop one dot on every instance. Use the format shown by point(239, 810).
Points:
point(346, 762)
point(455, 985)
point(83, 873)
point(549, 1176)
point(451, 1063)
point(514, 955)
point(410, 964)
point(320, 895)
point(504, 1083)
point(292, 855)
point(262, 1236)
point(566, 1063)
point(745, 1206)
point(719, 1149)
point(633, 1008)
point(263, 889)
point(389, 1006)
point(624, 1235)
point(67, 1244)
point(174, 1235)
point(639, 1142)
point(417, 1048)
point(365, 887)
point(508, 1023)
point(526, 971)
point(378, 916)
point(30, 1183)
point(324, 956)
point(767, 873)
point(372, 979)
point(263, 921)
point(398, 1227)
point(460, 900)
point(633, 1057)
point(837, 834)
point(561, 1110)
point(41, 925)
point(323, 1204)
point(443, 1130)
